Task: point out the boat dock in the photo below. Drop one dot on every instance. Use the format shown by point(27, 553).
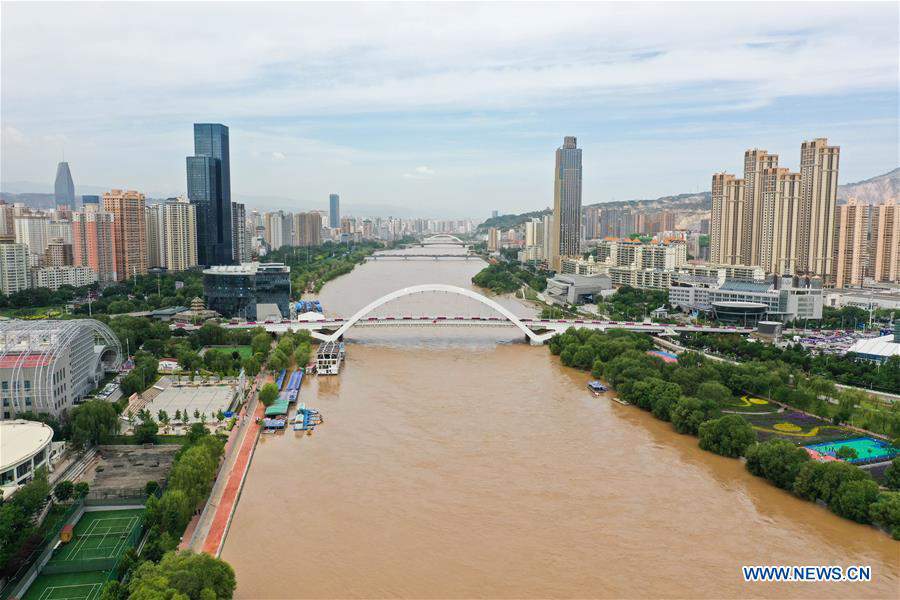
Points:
point(306, 419)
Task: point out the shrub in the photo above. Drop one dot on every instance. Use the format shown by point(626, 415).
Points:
point(729, 435)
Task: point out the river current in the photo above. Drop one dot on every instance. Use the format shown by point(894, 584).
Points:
point(462, 462)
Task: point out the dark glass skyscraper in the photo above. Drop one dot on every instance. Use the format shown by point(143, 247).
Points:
point(64, 188)
point(209, 187)
point(334, 211)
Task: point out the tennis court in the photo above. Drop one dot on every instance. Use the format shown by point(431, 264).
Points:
point(100, 534)
point(67, 586)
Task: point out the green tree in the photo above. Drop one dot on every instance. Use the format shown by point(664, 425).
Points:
point(729, 435)
point(183, 575)
point(715, 392)
point(92, 422)
point(82, 488)
point(779, 461)
point(885, 511)
point(261, 343)
point(64, 490)
point(846, 453)
point(151, 487)
point(821, 480)
point(688, 413)
point(268, 394)
point(853, 499)
point(251, 366)
point(171, 512)
point(146, 432)
point(892, 475)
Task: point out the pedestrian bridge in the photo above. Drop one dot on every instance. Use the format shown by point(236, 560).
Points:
point(537, 331)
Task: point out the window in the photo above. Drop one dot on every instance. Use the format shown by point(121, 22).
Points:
point(23, 469)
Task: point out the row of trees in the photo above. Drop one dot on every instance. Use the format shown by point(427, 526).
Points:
point(507, 277)
point(18, 532)
point(842, 369)
point(161, 571)
point(312, 267)
point(847, 490)
point(691, 395)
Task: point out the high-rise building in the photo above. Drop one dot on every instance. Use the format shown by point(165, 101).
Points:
point(209, 187)
point(308, 229)
point(156, 241)
point(64, 187)
point(58, 253)
point(786, 222)
point(590, 222)
point(239, 239)
point(566, 232)
point(279, 229)
point(726, 219)
point(129, 231)
point(851, 244)
point(179, 220)
point(334, 211)
point(13, 267)
point(33, 231)
point(7, 223)
point(819, 171)
point(493, 239)
point(886, 241)
point(94, 242)
point(777, 252)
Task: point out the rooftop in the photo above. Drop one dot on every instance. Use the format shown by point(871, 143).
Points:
point(248, 268)
point(881, 346)
point(19, 439)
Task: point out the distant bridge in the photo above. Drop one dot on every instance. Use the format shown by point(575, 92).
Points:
point(405, 256)
point(538, 331)
point(443, 239)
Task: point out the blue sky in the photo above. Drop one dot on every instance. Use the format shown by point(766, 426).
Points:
point(443, 109)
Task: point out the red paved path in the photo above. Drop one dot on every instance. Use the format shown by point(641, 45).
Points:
point(219, 526)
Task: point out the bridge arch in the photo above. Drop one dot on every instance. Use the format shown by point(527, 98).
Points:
point(442, 238)
point(435, 287)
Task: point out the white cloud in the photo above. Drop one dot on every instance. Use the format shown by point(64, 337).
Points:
point(123, 82)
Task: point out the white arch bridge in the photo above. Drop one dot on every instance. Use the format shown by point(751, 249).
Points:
point(443, 238)
point(536, 331)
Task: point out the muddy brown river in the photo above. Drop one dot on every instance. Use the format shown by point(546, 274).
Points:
point(462, 462)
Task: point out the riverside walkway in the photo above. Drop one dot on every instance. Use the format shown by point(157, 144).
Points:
point(207, 533)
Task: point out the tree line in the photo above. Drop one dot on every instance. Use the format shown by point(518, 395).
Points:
point(691, 394)
point(848, 370)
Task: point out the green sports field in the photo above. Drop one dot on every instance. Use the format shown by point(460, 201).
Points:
point(244, 351)
point(99, 534)
point(67, 586)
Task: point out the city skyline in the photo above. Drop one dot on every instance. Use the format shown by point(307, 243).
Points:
point(303, 126)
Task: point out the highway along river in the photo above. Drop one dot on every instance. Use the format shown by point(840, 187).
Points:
point(465, 463)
